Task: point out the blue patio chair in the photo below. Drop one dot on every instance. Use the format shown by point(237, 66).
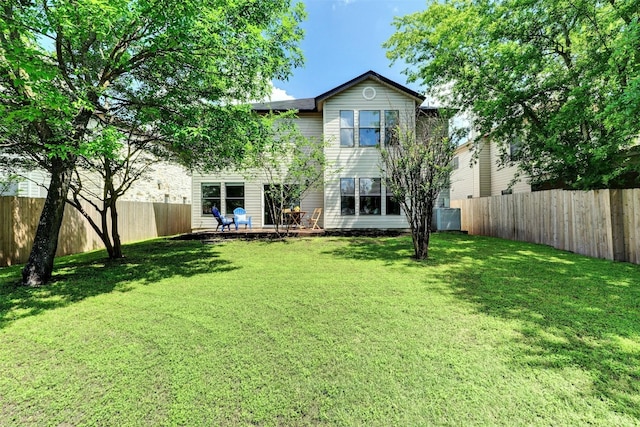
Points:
point(222, 221)
point(240, 217)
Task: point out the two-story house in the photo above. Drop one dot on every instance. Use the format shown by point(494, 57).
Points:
point(353, 119)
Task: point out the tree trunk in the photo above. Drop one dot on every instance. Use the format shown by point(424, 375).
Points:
point(115, 234)
point(420, 242)
point(421, 229)
point(39, 267)
point(104, 231)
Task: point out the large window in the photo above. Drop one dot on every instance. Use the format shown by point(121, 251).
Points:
point(346, 128)
point(391, 122)
point(393, 206)
point(348, 196)
point(369, 128)
point(370, 196)
point(210, 197)
point(234, 197)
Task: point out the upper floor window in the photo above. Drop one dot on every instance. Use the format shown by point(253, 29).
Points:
point(455, 163)
point(234, 197)
point(347, 196)
point(346, 128)
point(391, 122)
point(370, 196)
point(210, 197)
point(369, 128)
point(514, 149)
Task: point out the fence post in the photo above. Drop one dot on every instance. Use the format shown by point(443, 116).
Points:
point(617, 225)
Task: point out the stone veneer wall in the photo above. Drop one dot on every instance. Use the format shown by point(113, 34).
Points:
point(166, 184)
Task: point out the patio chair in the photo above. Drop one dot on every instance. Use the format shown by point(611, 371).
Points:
point(222, 221)
point(315, 216)
point(240, 217)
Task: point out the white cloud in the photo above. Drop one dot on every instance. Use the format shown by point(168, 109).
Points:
point(278, 94)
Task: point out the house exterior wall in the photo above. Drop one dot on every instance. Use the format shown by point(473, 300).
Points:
point(310, 125)
point(356, 162)
point(463, 179)
point(501, 177)
point(482, 185)
point(167, 183)
point(482, 176)
point(35, 185)
point(359, 162)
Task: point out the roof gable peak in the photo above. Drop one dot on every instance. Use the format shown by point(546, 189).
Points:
point(315, 104)
point(371, 75)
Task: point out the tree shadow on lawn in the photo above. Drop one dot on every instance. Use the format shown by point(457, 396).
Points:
point(81, 276)
point(386, 249)
point(572, 311)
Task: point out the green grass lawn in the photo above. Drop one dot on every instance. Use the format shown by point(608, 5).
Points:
point(324, 331)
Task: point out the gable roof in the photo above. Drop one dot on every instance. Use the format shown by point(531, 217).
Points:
point(315, 104)
point(372, 75)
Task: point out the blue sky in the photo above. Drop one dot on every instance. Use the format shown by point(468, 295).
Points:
point(343, 39)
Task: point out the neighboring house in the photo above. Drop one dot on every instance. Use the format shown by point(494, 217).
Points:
point(32, 185)
point(167, 183)
point(352, 118)
point(477, 173)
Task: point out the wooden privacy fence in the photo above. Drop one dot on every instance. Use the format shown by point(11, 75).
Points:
point(600, 224)
point(137, 221)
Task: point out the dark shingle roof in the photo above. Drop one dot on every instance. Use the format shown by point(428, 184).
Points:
point(374, 76)
point(315, 104)
point(302, 105)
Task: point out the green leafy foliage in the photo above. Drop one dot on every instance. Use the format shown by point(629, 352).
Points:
point(169, 71)
point(559, 77)
point(416, 168)
point(290, 163)
point(158, 66)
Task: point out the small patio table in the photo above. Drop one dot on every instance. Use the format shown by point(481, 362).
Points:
point(294, 219)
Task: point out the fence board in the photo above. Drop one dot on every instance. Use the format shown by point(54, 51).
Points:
point(19, 218)
point(634, 224)
point(601, 223)
point(629, 229)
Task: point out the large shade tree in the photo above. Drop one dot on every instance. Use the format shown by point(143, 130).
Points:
point(559, 79)
point(171, 69)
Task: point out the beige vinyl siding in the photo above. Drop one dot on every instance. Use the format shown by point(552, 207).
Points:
point(482, 187)
point(482, 176)
point(309, 125)
point(358, 162)
point(501, 176)
point(463, 178)
point(252, 198)
point(35, 185)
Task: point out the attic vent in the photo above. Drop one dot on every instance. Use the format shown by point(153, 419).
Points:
point(368, 93)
